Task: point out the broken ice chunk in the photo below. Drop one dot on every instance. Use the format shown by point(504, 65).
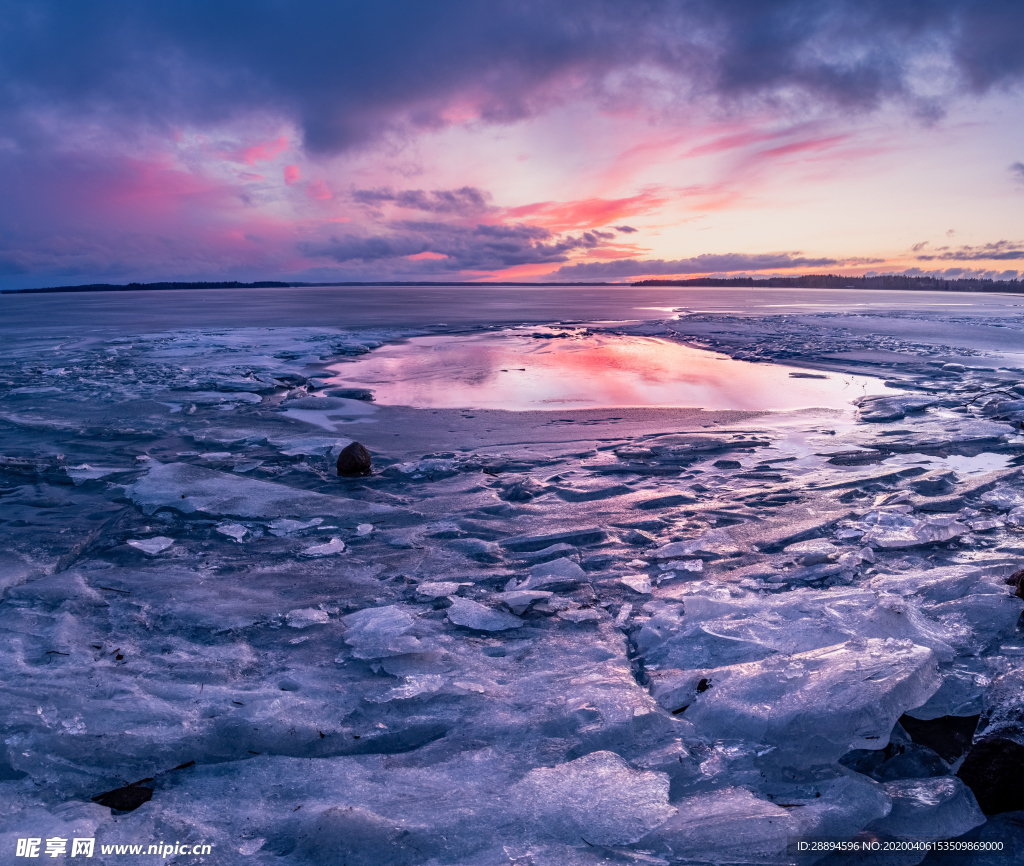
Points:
point(729, 825)
point(984, 525)
point(586, 614)
point(152, 546)
point(1003, 498)
point(559, 574)
point(364, 529)
point(380, 632)
point(518, 600)
point(813, 707)
point(717, 542)
point(640, 583)
point(232, 530)
point(597, 798)
point(887, 408)
point(555, 551)
point(306, 616)
point(283, 526)
point(85, 472)
point(527, 543)
point(815, 552)
point(419, 684)
point(840, 806)
point(438, 589)
point(190, 489)
point(473, 615)
point(939, 808)
point(893, 531)
point(328, 548)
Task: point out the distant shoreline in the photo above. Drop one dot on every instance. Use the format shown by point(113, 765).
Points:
point(885, 282)
point(262, 284)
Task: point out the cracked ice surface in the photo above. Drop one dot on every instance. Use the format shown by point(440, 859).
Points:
point(578, 636)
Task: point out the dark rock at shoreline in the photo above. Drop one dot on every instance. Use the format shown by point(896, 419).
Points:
point(1017, 579)
point(354, 461)
point(993, 769)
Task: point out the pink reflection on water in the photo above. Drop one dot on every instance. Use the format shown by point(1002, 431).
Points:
point(515, 371)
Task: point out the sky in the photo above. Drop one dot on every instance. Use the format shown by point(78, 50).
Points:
point(565, 141)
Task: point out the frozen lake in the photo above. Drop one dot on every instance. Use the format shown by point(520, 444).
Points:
point(689, 571)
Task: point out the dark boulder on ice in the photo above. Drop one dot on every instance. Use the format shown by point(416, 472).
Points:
point(354, 461)
point(126, 799)
point(993, 769)
point(948, 736)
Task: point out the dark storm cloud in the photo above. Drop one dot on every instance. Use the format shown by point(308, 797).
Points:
point(480, 248)
point(348, 72)
point(705, 264)
point(463, 201)
point(998, 251)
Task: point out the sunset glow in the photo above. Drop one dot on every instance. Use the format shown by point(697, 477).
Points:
point(834, 141)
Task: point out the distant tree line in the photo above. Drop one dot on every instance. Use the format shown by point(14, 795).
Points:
point(807, 281)
point(896, 282)
point(263, 284)
point(145, 287)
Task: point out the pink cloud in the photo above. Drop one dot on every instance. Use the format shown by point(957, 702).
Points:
point(419, 257)
point(587, 213)
point(814, 144)
point(319, 189)
point(263, 151)
point(291, 174)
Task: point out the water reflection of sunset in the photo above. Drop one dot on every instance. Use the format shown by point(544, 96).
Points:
point(517, 371)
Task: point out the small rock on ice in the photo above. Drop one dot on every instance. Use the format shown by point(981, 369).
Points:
point(354, 461)
point(152, 546)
